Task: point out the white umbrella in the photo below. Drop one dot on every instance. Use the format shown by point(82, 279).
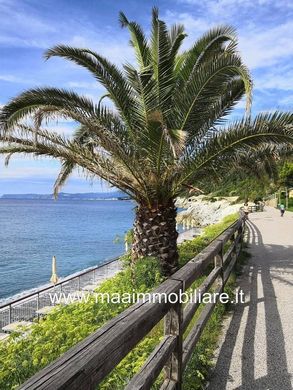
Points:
point(54, 277)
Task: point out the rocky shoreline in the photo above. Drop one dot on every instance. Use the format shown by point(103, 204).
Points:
point(200, 211)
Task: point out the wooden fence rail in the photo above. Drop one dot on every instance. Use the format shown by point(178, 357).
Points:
point(85, 365)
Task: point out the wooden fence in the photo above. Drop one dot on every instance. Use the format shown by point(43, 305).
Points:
point(85, 365)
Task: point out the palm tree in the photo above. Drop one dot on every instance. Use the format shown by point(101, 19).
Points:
point(164, 131)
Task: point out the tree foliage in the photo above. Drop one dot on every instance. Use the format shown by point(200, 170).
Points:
point(286, 174)
point(166, 130)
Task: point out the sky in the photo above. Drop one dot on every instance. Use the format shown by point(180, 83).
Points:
point(29, 27)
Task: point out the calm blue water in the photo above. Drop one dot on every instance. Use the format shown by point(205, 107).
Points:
point(79, 233)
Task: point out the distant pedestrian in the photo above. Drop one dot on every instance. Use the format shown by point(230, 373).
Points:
point(246, 210)
point(282, 209)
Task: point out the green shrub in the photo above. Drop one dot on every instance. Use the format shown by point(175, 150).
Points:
point(209, 199)
point(233, 193)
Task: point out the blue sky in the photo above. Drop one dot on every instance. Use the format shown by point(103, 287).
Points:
point(28, 28)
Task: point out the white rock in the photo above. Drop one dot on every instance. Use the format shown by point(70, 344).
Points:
point(203, 212)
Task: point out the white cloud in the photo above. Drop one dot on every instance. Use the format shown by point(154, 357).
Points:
point(261, 46)
point(63, 126)
point(193, 25)
point(275, 79)
point(226, 8)
point(24, 168)
point(24, 172)
point(14, 79)
point(12, 16)
point(34, 30)
point(241, 105)
point(264, 47)
point(13, 41)
point(83, 84)
point(20, 17)
point(287, 101)
point(62, 130)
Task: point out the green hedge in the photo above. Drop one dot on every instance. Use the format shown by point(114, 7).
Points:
point(21, 357)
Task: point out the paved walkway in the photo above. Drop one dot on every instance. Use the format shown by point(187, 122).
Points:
point(256, 348)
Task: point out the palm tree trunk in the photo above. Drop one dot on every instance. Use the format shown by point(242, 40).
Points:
point(155, 235)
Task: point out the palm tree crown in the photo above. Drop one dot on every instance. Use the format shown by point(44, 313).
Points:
point(166, 131)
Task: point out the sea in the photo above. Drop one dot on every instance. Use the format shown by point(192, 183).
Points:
point(80, 233)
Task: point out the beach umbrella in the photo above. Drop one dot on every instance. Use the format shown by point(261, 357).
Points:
point(54, 277)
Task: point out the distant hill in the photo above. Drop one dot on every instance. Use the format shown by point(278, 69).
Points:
point(115, 195)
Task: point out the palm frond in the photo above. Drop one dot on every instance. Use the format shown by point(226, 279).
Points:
point(138, 41)
point(51, 99)
point(66, 170)
point(214, 114)
point(208, 46)
point(273, 128)
point(206, 86)
point(120, 91)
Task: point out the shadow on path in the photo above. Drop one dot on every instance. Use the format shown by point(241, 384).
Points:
point(236, 363)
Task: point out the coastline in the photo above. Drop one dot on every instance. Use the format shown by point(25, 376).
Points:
point(187, 218)
point(184, 236)
point(35, 230)
point(28, 292)
point(195, 214)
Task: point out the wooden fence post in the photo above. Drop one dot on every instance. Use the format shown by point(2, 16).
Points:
point(218, 262)
point(235, 246)
point(173, 326)
point(241, 233)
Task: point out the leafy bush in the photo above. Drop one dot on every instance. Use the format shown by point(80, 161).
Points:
point(21, 357)
point(209, 199)
point(245, 187)
point(286, 174)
